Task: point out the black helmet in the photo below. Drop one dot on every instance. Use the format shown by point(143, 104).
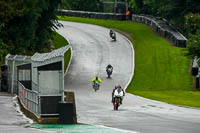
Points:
point(96, 77)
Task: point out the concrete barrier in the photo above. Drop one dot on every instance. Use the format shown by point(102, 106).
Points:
point(162, 28)
point(51, 120)
point(70, 98)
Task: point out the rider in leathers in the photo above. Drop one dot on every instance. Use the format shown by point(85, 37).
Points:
point(97, 80)
point(118, 88)
point(109, 67)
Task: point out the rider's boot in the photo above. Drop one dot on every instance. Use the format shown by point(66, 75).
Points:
point(120, 100)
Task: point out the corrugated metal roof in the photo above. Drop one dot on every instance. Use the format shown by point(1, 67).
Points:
point(19, 58)
point(53, 54)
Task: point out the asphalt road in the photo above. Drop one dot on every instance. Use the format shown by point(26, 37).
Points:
point(11, 120)
point(92, 51)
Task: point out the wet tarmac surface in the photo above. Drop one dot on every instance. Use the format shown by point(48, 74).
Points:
point(11, 120)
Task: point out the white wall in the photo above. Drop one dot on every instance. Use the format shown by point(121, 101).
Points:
point(49, 82)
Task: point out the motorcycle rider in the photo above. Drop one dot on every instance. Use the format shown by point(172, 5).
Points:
point(109, 67)
point(97, 80)
point(118, 90)
point(112, 34)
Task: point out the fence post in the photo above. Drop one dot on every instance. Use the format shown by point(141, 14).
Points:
point(63, 82)
point(13, 73)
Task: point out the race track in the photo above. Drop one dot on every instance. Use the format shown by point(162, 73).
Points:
point(92, 51)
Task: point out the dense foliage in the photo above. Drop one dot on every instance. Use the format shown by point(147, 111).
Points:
point(193, 44)
point(94, 5)
point(27, 26)
point(192, 27)
point(3, 51)
point(82, 5)
point(192, 23)
point(173, 10)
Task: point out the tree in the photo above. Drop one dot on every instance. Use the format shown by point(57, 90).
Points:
point(192, 23)
point(30, 31)
point(84, 5)
point(65, 5)
point(137, 6)
point(8, 10)
point(193, 44)
point(3, 51)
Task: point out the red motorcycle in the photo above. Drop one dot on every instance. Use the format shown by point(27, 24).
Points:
point(116, 103)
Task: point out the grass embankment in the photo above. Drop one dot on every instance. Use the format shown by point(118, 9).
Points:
point(161, 70)
point(60, 41)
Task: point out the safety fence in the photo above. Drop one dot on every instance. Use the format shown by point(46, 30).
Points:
point(162, 27)
point(42, 105)
point(29, 98)
point(12, 61)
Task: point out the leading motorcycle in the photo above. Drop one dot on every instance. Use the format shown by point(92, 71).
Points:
point(113, 35)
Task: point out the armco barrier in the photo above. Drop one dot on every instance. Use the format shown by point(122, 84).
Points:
point(162, 28)
point(96, 15)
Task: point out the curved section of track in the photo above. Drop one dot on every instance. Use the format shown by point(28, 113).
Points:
point(92, 51)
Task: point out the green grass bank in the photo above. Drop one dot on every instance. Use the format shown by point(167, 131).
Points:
point(59, 41)
point(161, 70)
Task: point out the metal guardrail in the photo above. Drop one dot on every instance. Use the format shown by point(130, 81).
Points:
point(162, 27)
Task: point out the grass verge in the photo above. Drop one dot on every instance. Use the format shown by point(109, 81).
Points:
point(161, 70)
point(60, 41)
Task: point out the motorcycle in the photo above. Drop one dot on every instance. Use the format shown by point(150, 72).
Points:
point(95, 86)
point(116, 103)
point(109, 72)
point(113, 35)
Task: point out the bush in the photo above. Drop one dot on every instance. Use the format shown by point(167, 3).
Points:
point(192, 23)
